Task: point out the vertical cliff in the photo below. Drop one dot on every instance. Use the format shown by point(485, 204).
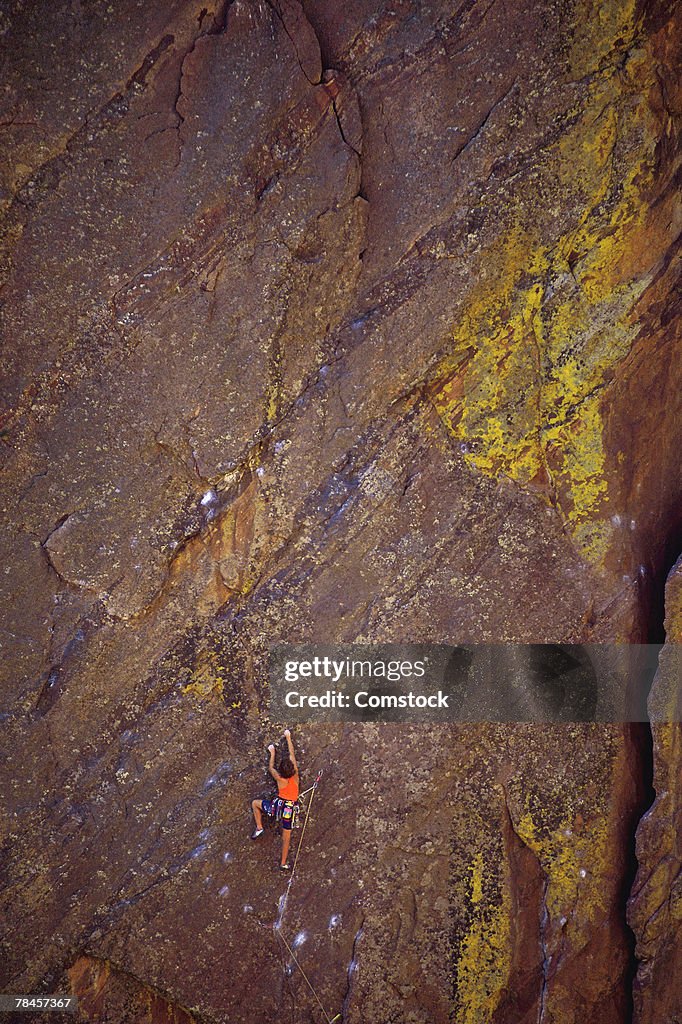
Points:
point(334, 322)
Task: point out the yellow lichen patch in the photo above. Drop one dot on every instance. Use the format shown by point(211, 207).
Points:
point(530, 405)
point(274, 388)
point(477, 879)
point(500, 436)
point(600, 27)
point(573, 863)
point(207, 676)
point(600, 247)
point(484, 962)
point(522, 389)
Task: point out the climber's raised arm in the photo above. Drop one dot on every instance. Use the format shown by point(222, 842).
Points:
point(290, 745)
point(271, 766)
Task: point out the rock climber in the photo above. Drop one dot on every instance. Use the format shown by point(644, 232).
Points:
point(283, 805)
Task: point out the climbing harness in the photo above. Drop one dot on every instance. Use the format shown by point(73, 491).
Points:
point(277, 927)
point(287, 811)
point(299, 806)
point(290, 810)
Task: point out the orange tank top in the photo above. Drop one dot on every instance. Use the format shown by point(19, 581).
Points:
point(288, 788)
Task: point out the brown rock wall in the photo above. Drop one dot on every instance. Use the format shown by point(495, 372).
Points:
point(332, 322)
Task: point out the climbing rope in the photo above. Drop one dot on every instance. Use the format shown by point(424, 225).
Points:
point(330, 1020)
point(277, 927)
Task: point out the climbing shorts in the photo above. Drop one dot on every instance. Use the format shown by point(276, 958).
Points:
point(281, 810)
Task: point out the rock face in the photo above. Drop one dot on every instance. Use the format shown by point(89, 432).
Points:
point(334, 322)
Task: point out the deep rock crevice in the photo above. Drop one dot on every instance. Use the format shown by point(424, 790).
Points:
point(643, 751)
point(641, 733)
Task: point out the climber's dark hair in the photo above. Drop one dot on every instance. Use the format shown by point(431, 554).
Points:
point(286, 768)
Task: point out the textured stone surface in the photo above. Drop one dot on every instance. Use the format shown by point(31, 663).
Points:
point(333, 322)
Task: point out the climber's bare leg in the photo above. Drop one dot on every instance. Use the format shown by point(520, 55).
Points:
point(286, 842)
point(257, 807)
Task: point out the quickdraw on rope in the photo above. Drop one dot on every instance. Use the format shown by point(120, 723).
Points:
point(277, 927)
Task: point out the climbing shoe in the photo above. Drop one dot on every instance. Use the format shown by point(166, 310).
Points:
point(257, 832)
point(284, 867)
